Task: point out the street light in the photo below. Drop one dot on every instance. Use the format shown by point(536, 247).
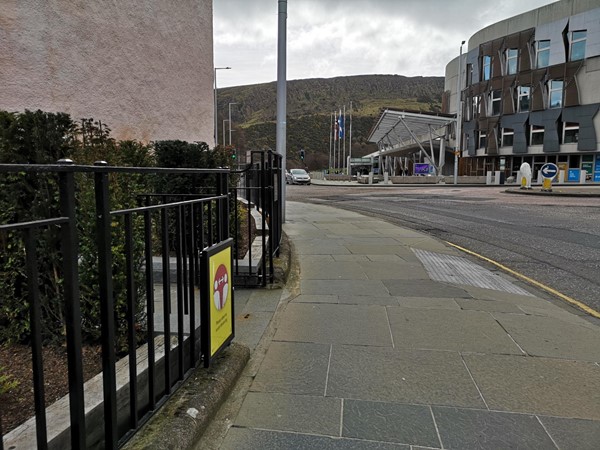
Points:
point(216, 123)
point(224, 120)
point(233, 103)
point(457, 145)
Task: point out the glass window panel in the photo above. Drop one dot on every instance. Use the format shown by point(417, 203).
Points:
point(543, 54)
point(577, 50)
point(511, 61)
point(556, 92)
point(487, 67)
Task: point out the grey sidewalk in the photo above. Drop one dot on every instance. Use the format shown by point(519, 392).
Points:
point(390, 339)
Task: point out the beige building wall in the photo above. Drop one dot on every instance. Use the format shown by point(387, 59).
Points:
point(142, 67)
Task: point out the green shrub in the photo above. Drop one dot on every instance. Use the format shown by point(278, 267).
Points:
point(7, 381)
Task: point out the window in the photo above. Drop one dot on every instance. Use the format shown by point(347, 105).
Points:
point(487, 67)
point(577, 44)
point(512, 55)
point(523, 98)
point(537, 135)
point(508, 135)
point(482, 139)
point(475, 106)
point(469, 74)
point(570, 133)
point(495, 102)
point(555, 88)
point(542, 54)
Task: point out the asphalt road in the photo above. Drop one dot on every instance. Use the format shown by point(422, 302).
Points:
point(553, 240)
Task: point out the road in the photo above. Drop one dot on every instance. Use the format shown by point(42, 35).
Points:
point(554, 240)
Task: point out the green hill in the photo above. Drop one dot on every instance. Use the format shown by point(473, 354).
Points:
point(310, 104)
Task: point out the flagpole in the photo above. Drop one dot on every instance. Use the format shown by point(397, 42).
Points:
point(350, 144)
point(330, 140)
point(344, 165)
point(335, 139)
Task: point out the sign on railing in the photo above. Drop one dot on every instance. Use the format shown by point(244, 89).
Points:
point(216, 300)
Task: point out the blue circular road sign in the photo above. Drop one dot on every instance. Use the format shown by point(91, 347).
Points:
point(549, 170)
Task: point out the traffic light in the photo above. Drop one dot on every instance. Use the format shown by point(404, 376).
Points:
point(302, 154)
point(234, 153)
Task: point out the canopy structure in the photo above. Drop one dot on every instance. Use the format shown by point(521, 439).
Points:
point(400, 133)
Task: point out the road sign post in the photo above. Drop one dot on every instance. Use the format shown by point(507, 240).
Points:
point(549, 172)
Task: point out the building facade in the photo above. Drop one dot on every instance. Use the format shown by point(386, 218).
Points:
point(142, 67)
point(529, 91)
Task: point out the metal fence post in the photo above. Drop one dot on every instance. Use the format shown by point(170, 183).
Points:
point(70, 251)
point(103, 237)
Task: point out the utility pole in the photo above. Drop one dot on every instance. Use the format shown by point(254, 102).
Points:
point(281, 96)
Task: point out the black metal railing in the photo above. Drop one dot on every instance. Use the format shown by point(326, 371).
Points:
point(259, 189)
point(174, 227)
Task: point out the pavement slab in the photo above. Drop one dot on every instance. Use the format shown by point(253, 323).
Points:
point(532, 385)
point(488, 305)
point(385, 270)
point(461, 331)
point(424, 288)
point(324, 270)
point(389, 422)
point(552, 337)
point(284, 412)
point(245, 438)
point(344, 287)
point(428, 303)
point(573, 433)
point(406, 376)
point(293, 368)
point(476, 429)
point(326, 323)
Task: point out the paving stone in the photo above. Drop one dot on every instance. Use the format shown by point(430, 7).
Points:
point(537, 385)
point(293, 368)
point(319, 247)
point(310, 298)
point(548, 336)
point(488, 305)
point(244, 439)
point(344, 287)
point(368, 300)
point(424, 288)
point(284, 412)
point(262, 301)
point(376, 249)
point(475, 429)
point(250, 327)
point(389, 422)
point(333, 271)
point(354, 258)
point(349, 324)
point(407, 376)
point(574, 434)
point(398, 271)
point(463, 331)
point(427, 303)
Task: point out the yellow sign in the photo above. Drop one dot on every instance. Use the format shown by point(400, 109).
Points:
point(221, 299)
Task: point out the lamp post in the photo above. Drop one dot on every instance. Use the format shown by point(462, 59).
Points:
point(216, 136)
point(224, 120)
point(458, 114)
point(233, 103)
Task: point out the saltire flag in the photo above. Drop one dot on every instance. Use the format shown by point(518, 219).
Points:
point(335, 129)
point(340, 123)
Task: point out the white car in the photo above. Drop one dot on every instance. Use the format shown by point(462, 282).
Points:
point(297, 176)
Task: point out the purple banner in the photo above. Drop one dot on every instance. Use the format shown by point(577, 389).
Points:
point(421, 169)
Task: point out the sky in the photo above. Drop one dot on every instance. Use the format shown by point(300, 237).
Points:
point(330, 38)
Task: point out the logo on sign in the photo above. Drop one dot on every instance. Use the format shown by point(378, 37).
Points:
point(221, 287)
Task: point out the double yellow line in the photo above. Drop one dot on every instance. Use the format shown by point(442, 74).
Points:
point(572, 301)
